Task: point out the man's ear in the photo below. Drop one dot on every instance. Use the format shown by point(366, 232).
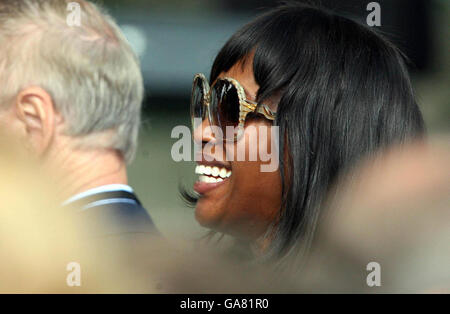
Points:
point(34, 107)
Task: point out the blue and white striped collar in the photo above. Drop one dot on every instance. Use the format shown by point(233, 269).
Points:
point(100, 189)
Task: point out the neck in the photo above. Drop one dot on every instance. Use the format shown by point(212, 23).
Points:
point(81, 170)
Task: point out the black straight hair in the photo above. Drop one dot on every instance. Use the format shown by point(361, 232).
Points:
point(345, 93)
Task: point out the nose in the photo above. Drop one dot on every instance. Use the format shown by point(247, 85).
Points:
point(202, 132)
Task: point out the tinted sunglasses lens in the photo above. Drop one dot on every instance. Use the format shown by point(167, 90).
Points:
point(226, 106)
point(198, 100)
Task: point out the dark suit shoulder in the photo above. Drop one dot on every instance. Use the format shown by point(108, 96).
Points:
point(118, 219)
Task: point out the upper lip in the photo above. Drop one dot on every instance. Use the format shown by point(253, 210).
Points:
point(214, 162)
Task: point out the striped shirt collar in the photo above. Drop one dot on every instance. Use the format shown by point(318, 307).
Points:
point(100, 189)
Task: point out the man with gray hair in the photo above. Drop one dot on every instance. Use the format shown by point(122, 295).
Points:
point(73, 93)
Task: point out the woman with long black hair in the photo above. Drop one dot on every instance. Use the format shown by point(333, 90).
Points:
point(337, 90)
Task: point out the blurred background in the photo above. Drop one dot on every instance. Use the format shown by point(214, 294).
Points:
point(177, 38)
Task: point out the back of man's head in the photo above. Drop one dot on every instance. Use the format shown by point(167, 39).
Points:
point(89, 70)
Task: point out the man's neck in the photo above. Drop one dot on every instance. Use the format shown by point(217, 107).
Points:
point(82, 170)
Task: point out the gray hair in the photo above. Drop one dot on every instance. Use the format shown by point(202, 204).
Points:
point(90, 71)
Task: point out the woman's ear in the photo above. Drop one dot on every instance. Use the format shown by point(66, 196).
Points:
point(34, 108)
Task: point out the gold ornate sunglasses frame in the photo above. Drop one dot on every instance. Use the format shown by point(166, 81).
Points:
point(245, 106)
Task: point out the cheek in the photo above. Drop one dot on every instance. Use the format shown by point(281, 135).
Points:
point(256, 145)
point(256, 195)
point(254, 201)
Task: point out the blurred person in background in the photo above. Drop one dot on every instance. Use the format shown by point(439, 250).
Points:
point(73, 95)
point(393, 210)
point(337, 90)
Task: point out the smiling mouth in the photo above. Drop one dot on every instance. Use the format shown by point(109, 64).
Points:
point(210, 174)
point(210, 177)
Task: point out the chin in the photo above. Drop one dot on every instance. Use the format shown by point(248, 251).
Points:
point(212, 217)
point(206, 214)
point(215, 220)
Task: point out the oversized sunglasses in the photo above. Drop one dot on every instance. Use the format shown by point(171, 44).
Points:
point(224, 104)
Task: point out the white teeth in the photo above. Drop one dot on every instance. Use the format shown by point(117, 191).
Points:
point(223, 173)
point(212, 174)
point(207, 179)
point(200, 169)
